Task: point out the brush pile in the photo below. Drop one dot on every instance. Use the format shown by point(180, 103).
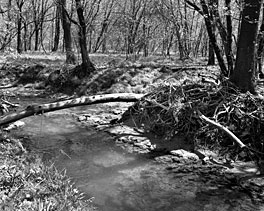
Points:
point(174, 109)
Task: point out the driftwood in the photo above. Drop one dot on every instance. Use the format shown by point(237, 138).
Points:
point(44, 108)
point(10, 85)
point(224, 129)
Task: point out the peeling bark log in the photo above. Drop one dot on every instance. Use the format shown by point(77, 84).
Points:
point(44, 108)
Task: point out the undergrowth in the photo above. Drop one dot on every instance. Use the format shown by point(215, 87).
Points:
point(27, 184)
point(172, 109)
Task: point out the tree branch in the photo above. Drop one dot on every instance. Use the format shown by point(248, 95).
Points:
point(195, 7)
point(68, 16)
point(224, 129)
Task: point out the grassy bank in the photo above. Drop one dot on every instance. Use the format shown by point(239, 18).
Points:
point(27, 184)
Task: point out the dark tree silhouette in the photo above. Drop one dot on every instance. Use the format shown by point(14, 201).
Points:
point(66, 25)
point(244, 72)
point(87, 65)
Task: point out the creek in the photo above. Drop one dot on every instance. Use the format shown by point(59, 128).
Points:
point(117, 180)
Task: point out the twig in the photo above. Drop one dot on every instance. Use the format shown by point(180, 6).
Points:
point(11, 104)
point(158, 104)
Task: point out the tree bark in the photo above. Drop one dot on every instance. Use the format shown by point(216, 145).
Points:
point(101, 39)
point(19, 29)
point(211, 55)
point(66, 25)
point(244, 72)
point(19, 26)
point(225, 33)
point(212, 38)
point(208, 23)
point(36, 35)
point(101, 36)
point(57, 29)
point(260, 48)
point(87, 65)
point(25, 36)
point(44, 108)
point(229, 53)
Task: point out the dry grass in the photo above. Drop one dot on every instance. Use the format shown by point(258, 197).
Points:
point(26, 184)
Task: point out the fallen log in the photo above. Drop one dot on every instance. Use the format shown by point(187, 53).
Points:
point(89, 100)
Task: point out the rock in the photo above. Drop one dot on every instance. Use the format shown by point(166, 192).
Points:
point(117, 112)
point(15, 125)
point(184, 154)
point(141, 145)
point(82, 118)
point(40, 85)
point(153, 147)
point(139, 89)
point(146, 142)
point(123, 139)
point(164, 159)
point(132, 83)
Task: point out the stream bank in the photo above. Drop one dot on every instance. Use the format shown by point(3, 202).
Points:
point(129, 171)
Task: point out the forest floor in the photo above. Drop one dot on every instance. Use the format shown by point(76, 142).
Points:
point(162, 123)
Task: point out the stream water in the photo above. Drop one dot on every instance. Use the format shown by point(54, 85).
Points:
point(121, 181)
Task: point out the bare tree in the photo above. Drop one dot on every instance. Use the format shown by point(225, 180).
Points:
point(7, 28)
point(106, 19)
point(66, 25)
point(87, 65)
point(209, 23)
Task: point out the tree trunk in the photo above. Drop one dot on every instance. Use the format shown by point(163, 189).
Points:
point(30, 37)
point(25, 36)
point(104, 49)
point(36, 36)
point(243, 75)
point(226, 34)
point(229, 53)
point(260, 48)
point(66, 25)
point(19, 28)
point(41, 26)
point(101, 36)
point(87, 65)
point(211, 55)
point(57, 30)
point(212, 38)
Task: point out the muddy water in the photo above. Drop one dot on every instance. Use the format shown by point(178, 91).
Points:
point(117, 180)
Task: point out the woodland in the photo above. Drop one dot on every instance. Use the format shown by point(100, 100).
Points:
point(189, 68)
